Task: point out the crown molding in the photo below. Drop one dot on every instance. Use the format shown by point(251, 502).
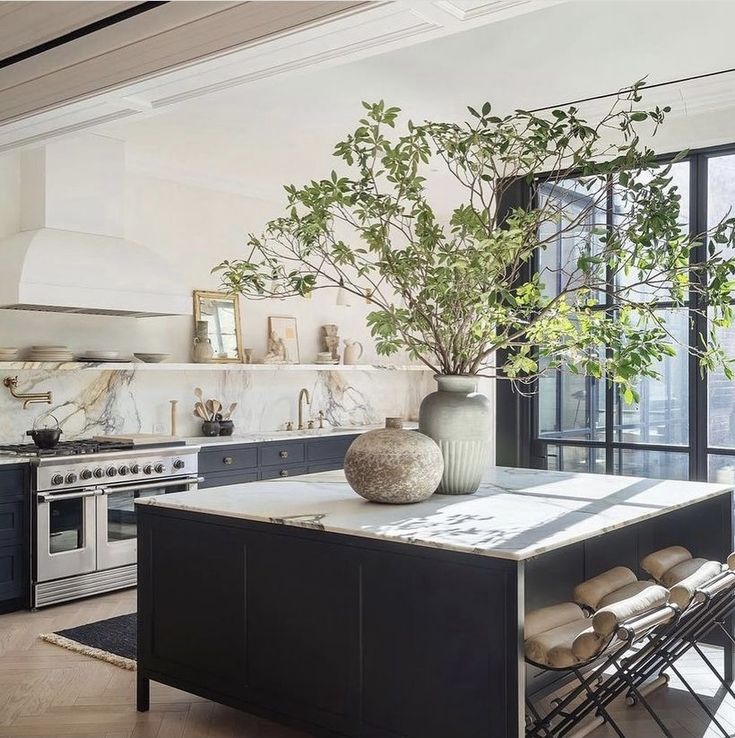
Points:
point(365, 30)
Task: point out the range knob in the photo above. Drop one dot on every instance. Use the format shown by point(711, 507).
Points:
point(111, 471)
point(160, 468)
point(135, 468)
point(86, 474)
point(71, 477)
point(179, 464)
point(147, 469)
point(123, 470)
point(57, 479)
point(99, 472)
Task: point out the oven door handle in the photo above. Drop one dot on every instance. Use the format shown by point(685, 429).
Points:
point(50, 497)
point(162, 484)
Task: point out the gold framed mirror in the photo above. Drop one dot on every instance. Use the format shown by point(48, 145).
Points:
point(221, 312)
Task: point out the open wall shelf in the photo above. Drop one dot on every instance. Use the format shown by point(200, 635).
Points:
point(15, 366)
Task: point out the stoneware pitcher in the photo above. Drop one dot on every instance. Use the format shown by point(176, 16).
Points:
point(353, 351)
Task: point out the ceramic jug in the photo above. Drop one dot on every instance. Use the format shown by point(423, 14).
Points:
point(353, 351)
point(203, 351)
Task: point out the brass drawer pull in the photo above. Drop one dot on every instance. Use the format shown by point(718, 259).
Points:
point(284, 472)
point(228, 460)
point(283, 454)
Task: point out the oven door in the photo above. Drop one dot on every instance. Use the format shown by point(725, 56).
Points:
point(65, 533)
point(117, 530)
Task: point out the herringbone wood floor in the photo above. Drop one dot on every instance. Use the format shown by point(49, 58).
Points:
point(49, 692)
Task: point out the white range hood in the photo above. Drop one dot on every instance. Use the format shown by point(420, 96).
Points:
point(70, 255)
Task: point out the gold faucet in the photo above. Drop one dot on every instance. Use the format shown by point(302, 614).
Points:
point(303, 394)
point(28, 398)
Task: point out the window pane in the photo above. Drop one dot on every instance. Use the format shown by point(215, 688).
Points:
point(721, 398)
point(720, 188)
point(574, 212)
point(721, 469)
point(570, 406)
point(575, 459)
point(662, 414)
point(651, 285)
point(653, 464)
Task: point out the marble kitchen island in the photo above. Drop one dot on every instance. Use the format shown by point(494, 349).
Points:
point(299, 600)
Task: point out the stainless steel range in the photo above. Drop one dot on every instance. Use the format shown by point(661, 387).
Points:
point(84, 514)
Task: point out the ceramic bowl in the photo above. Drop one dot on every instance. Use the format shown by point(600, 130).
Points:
point(152, 358)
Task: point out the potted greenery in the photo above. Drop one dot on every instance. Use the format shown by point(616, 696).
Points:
point(452, 283)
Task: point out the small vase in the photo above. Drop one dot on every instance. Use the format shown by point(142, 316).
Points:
point(458, 418)
point(210, 428)
point(393, 466)
point(226, 427)
point(203, 351)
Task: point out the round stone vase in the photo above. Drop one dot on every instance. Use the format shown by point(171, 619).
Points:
point(393, 466)
point(458, 418)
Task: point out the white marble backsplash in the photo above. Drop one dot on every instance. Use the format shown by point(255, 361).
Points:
point(90, 401)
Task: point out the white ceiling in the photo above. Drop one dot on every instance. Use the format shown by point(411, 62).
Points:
point(257, 136)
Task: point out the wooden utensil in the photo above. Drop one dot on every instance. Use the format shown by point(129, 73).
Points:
point(228, 414)
point(213, 406)
point(201, 411)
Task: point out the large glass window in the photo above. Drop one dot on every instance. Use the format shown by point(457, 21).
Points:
point(579, 424)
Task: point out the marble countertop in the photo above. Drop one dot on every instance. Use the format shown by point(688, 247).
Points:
point(282, 435)
point(8, 460)
point(517, 514)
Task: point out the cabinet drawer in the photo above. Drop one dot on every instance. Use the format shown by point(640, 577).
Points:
point(330, 448)
point(324, 466)
point(11, 572)
point(12, 483)
point(228, 458)
point(11, 522)
point(227, 478)
point(272, 454)
point(281, 472)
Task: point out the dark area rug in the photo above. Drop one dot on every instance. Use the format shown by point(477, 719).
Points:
point(113, 640)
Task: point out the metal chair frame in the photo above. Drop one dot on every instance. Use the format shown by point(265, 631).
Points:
point(634, 657)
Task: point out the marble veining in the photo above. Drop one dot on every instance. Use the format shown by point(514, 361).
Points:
point(517, 513)
point(92, 401)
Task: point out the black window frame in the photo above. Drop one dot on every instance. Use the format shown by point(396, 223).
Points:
point(518, 441)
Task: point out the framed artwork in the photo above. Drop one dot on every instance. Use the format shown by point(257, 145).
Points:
point(283, 340)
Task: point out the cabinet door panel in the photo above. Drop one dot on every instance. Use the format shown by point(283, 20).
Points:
point(431, 672)
point(197, 588)
point(12, 582)
point(302, 599)
point(11, 522)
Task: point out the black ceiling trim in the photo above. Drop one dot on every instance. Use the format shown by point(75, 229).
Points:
point(606, 95)
point(80, 32)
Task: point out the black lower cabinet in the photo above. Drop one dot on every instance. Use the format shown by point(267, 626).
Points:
point(14, 537)
point(237, 464)
point(337, 635)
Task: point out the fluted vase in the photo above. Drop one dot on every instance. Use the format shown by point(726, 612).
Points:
point(458, 418)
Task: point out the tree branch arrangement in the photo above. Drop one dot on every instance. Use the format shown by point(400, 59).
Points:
point(454, 291)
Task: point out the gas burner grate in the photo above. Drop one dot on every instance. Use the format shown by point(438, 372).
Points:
point(66, 448)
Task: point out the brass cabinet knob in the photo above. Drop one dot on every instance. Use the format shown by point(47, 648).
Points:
point(283, 454)
point(228, 460)
point(284, 472)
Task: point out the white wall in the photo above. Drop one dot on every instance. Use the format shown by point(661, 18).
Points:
point(194, 228)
